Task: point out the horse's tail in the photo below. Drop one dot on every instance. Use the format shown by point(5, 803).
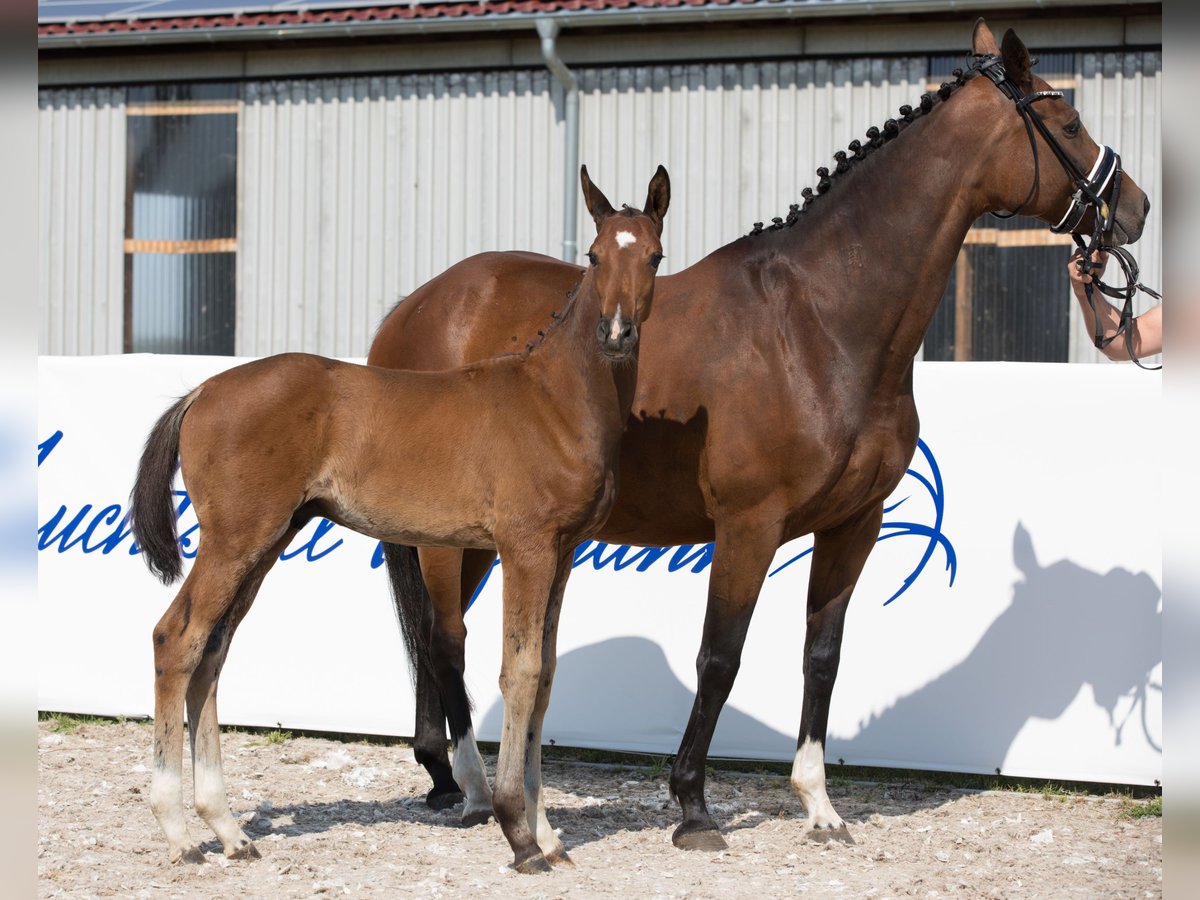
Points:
point(152, 510)
point(414, 612)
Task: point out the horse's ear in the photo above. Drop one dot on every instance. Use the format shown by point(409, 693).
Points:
point(1017, 64)
point(983, 42)
point(658, 197)
point(597, 203)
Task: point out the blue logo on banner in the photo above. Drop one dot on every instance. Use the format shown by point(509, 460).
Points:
point(102, 529)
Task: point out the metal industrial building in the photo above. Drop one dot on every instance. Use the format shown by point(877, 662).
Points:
point(242, 177)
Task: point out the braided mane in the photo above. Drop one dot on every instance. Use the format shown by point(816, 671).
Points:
point(860, 150)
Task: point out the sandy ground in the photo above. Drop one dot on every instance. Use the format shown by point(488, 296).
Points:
point(335, 818)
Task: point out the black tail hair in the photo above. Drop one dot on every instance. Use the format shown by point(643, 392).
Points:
point(151, 508)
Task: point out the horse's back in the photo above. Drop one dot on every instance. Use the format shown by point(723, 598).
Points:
point(487, 304)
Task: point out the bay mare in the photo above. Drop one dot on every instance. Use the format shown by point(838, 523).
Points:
point(516, 454)
point(775, 389)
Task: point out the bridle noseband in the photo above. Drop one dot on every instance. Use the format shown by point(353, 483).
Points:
point(1106, 172)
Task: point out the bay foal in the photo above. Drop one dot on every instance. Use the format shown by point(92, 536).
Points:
point(515, 454)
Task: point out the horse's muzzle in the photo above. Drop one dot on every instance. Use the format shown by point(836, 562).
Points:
point(617, 336)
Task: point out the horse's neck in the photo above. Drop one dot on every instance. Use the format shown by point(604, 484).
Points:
point(874, 255)
point(570, 365)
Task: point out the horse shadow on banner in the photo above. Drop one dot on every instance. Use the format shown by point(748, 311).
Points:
point(626, 686)
point(1032, 663)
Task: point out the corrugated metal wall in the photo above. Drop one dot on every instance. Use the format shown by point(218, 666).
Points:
point(740, 140)
point(1119, 98)
point(81, 221)
point(355, 191)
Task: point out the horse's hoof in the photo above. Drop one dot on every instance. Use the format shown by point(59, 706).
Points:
point(559, 858)
point(471, 818)
point(244, 851)
point(708, 839)
point(189, 855)
point(535, 865)
point(823, 834)
point(443, 801)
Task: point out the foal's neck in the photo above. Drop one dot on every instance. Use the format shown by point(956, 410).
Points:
point(566, 357)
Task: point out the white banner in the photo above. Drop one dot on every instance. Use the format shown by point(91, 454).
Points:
point(1008, 619)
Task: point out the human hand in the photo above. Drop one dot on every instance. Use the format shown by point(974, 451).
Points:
point(1099, 262)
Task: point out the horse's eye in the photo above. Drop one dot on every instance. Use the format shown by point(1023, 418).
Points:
point(655, 260)
point(592, 258)
point(1071, 129)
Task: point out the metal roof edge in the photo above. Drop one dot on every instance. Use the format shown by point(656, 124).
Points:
point(756, 11)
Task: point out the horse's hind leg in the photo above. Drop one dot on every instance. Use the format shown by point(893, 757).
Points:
point(212, 804)
point(451, 577)
point(838, 558)
point(180, 638)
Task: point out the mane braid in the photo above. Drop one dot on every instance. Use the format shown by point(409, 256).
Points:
point(860, 150)
point(557, 317)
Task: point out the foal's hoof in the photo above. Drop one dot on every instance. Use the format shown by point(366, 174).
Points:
point(823, 834)
point(189, 855)
point(559, 858)
point(473, 817)
point(535, 865)
point(244, 851)
point(705, 839)
point(439, 801)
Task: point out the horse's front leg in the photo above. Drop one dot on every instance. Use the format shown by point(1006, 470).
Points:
point(839, 555)
point(535, 801)
point(530, 570)
point(745, 546)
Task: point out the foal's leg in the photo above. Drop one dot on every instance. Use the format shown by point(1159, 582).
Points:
point(535, 801)
point(837, 560)
point(529, 579)
point(744, 548)
point(451, 577)
point(180, 638)
point(212, 803)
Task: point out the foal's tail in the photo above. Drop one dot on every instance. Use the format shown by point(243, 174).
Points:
point(152, 508)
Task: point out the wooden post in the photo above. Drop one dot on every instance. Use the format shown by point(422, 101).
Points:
point(964, 290)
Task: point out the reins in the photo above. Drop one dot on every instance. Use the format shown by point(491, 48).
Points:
point(1088, 195)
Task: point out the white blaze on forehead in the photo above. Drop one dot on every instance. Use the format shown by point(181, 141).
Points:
point(625, 238)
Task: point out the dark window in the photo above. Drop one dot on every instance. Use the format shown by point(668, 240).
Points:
point(181, 219)
point(1007, 297)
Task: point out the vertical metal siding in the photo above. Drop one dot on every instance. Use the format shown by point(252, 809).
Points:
point(81, 220)
point(1119, 98)
point(355, 191)
point(740, 140)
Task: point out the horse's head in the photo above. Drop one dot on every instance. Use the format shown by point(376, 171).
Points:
point(1046, 163)
point(624, 258)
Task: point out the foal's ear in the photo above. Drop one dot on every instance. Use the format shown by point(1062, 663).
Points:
point(983, 42)
point(658, 198)
point(597, 203)
point(1017, 64)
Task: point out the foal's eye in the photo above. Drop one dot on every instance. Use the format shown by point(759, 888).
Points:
point(592, 258)
point(655, 260)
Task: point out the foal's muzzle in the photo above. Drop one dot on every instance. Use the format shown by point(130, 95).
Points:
point(617, 336)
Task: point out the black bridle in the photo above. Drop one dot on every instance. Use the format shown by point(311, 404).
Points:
point(1106, 174)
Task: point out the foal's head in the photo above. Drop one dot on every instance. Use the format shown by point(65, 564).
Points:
point(1047, 185)
point(623, 259)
